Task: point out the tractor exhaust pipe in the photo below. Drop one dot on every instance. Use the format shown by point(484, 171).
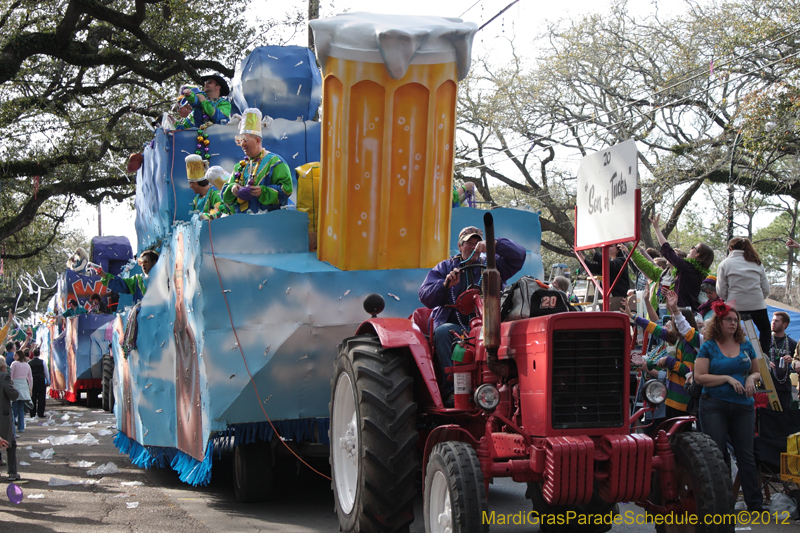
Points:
point(491, 299)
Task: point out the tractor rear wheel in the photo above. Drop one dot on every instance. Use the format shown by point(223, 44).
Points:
point(703, 477)
point(253, 472)
point(455, 495)
point(373, 437)
point(596, 506)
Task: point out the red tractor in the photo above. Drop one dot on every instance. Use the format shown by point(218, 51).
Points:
point(542, 400)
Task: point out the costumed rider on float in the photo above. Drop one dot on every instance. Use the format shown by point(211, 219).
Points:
point(135, 285)
point(211, 104)
point(447, 280)
point(261, 181)
point(207, 200)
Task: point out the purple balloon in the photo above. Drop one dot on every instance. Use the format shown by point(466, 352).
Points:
point(14, 493)
point(245, 193)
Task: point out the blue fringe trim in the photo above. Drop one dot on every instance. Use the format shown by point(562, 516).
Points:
point(198, 473)
point(140, 456)
point(302, 430)
point(190, 470)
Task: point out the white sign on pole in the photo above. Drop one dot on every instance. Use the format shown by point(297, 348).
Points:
point(606, 199)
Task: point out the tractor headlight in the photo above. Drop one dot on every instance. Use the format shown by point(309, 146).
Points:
point(487, 396)
point(655, 392)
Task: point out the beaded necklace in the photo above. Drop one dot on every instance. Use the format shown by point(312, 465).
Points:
point(453, 294)
point(698, 266)
point(203, 142)
point(251, 166)
point(779, 352)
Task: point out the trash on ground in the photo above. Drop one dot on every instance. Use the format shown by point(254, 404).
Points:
point(132, 505)
point(85, 464)
point(104, 432)
point(87, 439)
point(60, 482)
point(132, 483)
point(48, 454)
point(24, 463)
point(36, 496)
point(108, 468)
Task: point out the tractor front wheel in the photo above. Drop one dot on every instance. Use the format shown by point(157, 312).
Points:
point(455, 495)
point(704, 484)
point(373, 437)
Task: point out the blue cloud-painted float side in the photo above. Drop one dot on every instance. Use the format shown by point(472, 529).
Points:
point(289, 312)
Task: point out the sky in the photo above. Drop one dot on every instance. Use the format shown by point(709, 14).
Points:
point(521, 22)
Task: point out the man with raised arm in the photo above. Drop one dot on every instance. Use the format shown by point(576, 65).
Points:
point(210, 105)
point(135, 285)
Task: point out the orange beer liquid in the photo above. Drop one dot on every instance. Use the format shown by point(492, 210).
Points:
point(387, 165)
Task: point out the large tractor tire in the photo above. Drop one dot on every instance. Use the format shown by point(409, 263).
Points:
point(108, 383)
point(596, 506)
point(702, 476)
point(253, 472)
point(455, 495)
point(373, 437)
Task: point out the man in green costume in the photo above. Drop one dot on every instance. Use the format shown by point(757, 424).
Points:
point(261, 181)
point(211, 104)
point(207, 199)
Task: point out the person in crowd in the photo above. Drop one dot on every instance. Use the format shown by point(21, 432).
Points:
point(261, 181)
point(20, 373)
point(73, 309)
point(207, 200)
point(41, 378)
point(616, 262)
point(654, 268)
point(211, 104)
point(560, 283)
point(447, 280)
point(11, 349)
point(679, 364)
point(741, 280)
point(184, 109)
point(8, 394)
point(7, 326)
point(135, 285)
point(726, 368)
point(709, 288)
point(462, 193)
point(98, 306)
point(691, 271)
point(780, 357)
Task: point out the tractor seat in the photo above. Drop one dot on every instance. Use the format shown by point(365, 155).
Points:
point(421, 317)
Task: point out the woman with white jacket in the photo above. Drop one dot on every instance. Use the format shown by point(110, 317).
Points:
point(22, 377)
point(742, 282)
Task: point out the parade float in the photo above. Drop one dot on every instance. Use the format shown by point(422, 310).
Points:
point(75, 345)
point(238, 330)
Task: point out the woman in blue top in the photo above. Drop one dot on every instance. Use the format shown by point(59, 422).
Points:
point(728, 372)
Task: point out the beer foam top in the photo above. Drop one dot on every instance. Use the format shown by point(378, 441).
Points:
point(395, 40)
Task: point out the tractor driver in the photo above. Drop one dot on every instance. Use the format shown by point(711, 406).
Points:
point(447, 280)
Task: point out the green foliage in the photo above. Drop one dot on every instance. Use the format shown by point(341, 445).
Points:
point(687, 88)
point(770, 243)
point(80, 82)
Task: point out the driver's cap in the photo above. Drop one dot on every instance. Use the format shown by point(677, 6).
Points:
point(468, 232)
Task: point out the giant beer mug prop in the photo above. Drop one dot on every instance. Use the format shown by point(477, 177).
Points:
point(388, 132)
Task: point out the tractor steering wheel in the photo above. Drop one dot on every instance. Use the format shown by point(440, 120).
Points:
point(467, 302)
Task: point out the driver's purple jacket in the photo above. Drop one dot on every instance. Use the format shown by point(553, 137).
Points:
point(510, 258)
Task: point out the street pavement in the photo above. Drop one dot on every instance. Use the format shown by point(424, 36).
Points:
point(159, 502)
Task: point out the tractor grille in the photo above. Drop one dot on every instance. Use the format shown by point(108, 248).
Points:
point(588, 379)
